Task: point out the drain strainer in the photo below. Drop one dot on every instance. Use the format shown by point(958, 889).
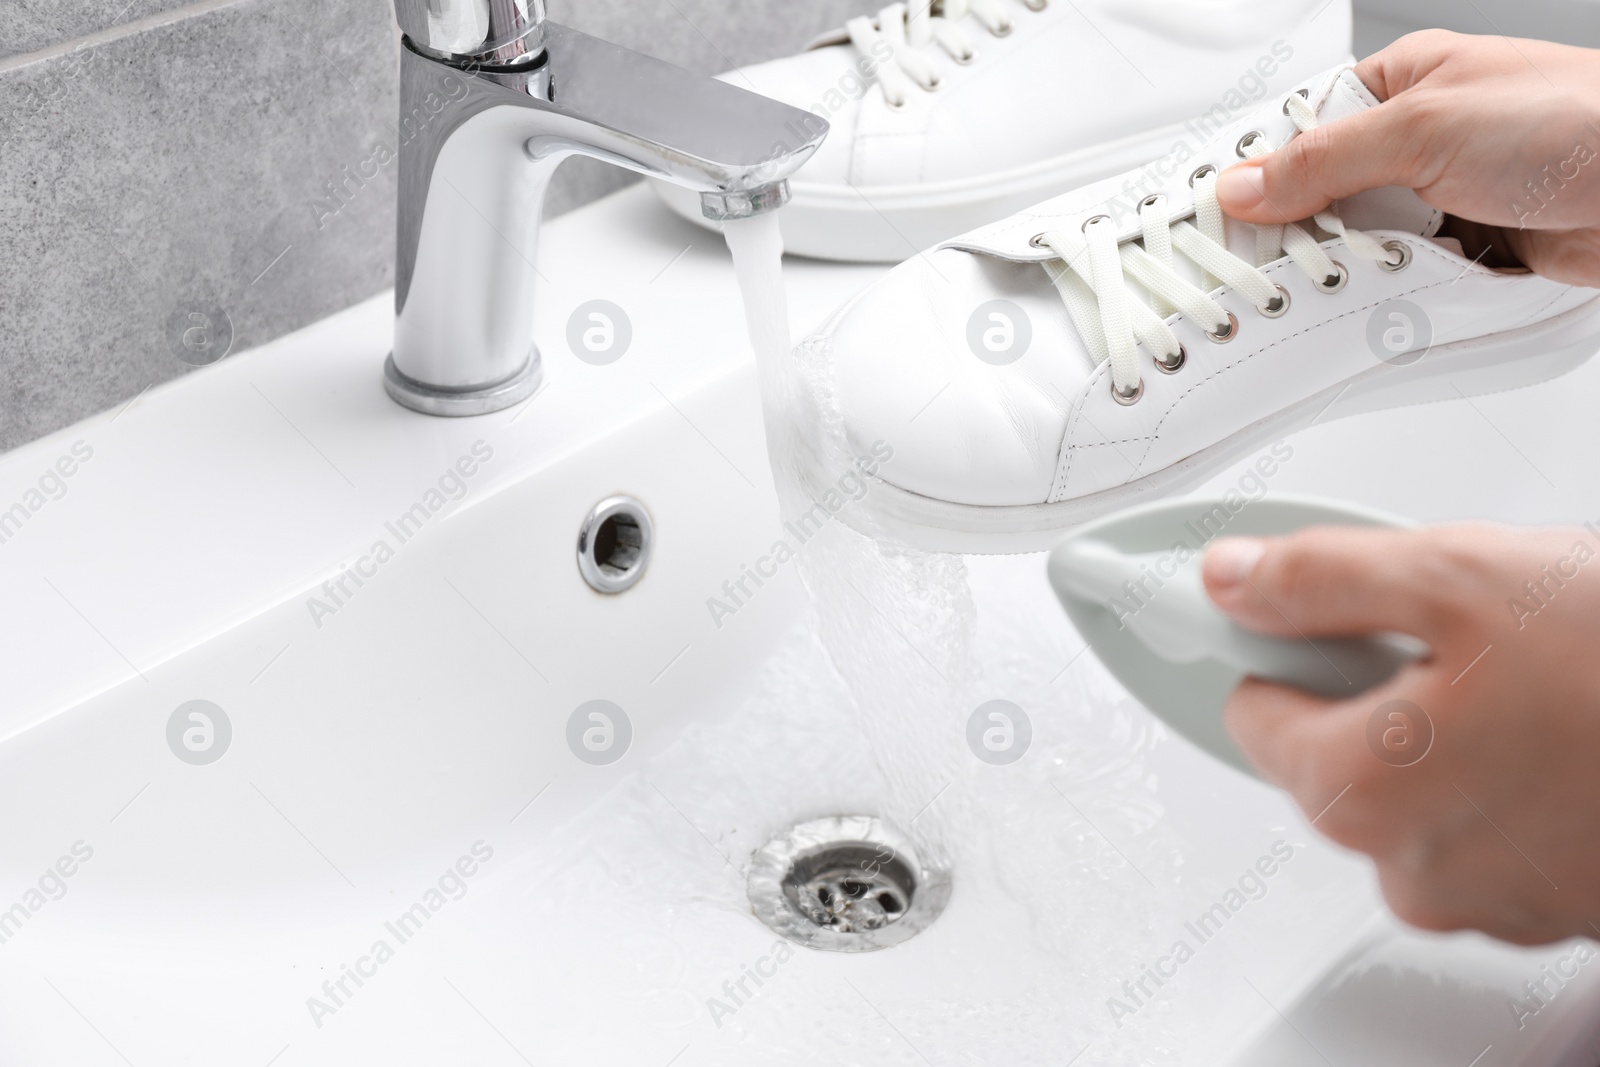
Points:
point(849, 883)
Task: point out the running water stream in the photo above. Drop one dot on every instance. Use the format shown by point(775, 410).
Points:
point(900, 628)
point(897, 623)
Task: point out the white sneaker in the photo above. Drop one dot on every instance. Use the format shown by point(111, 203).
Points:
point(1071, 359)
point(947, 121)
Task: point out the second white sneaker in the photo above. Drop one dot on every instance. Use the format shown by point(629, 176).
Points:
point(949, 114)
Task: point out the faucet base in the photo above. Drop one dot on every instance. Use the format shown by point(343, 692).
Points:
point(431, 400)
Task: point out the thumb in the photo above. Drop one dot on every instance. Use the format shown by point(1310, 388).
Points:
point(1368, 150)
point(1330, 581)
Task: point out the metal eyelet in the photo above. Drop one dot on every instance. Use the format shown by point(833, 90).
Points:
point(1394, 267)
point(966, 58)
point(1304, 94)
point(1152, 201)
point(1127, 399)
point(1277, 306)
point(1201, 172)
point(1246, 141)
point(1004, 29)
point(1175, 364)
point(1094, 219)
point(1226, 334)
point(1038, 241)
point(933, 85)
point(1334, 282)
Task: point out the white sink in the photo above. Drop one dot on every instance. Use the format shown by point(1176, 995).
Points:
point(424, 722)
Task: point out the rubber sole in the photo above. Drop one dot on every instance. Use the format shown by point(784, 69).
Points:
point(1499, 362)
point(890, 223)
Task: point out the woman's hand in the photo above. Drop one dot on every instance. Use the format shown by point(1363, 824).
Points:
point(1501, 134)
point(1471, 778)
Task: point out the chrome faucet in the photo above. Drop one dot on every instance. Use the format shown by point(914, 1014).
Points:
point(492, 98)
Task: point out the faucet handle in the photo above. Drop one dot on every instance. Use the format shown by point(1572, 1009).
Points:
point(496, 33)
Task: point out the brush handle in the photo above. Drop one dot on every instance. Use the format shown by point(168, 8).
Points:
point(1329, 667)
point(1163, 602)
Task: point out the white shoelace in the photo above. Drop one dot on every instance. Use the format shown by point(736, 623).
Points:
point(911, 29)
point(1093, 270)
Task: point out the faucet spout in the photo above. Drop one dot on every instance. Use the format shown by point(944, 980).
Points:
point(479, 145)
point(744, 204)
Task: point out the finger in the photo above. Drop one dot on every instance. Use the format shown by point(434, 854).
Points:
point(1405, 63)
point(1298, 742)
point(1376, 73)
point(1367, 150)
point(1566, 256)
point(1329, 757)
point(1331, 581)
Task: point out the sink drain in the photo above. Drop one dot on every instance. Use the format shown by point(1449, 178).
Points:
point(849, 883)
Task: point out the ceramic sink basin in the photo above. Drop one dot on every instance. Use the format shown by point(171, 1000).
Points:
point(396, 856)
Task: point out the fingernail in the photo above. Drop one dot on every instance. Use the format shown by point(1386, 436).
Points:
point(1231, 560)
point(1241, 187)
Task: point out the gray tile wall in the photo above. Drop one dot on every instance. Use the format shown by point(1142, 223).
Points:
point(162, 159)
point(30, 25)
